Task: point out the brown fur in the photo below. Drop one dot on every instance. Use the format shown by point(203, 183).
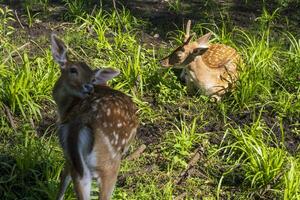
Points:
point(211, 68)
point(95, 128)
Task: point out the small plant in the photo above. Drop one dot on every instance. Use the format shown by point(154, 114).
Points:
point(27, 85)
point(6, 18)
point(31, 17)
point(267, 21)
point(175, 6)
point(40, 5)
point(292, 181)
point(262, 165)
point(258, 71)
point(75, 8)
point(181, 141)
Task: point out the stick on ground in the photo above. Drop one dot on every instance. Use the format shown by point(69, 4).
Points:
point(190, 165)
point(137, 153)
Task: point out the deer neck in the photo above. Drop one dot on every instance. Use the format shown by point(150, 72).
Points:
point(200, 73)
point(64, 102)
point(196, 69)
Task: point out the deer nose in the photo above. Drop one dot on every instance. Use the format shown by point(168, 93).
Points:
point(88, 88)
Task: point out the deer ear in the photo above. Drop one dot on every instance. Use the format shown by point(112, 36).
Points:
point(203, 41)
point(104, 75)
point(59, 50)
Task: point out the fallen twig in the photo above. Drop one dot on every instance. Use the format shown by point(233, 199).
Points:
point(137, 153)
point(15, 51)
point(16, 14)
point(61, 25)
point(190, 165)
point(10, 117)
point(181, 196)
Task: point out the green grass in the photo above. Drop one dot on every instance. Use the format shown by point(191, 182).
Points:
point(249, 142)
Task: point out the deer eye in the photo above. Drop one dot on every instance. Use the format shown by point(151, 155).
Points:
point(73, 70)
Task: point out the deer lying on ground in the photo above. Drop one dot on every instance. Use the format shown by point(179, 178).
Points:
point(97, 124)
point(211, 68)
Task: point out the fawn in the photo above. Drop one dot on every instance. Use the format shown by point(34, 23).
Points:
point(211, 68)
point(97, 124)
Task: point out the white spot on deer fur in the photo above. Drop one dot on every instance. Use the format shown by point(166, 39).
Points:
point(104, 124)
point(110, 148)
point(95, 107)
point(92, 161)
point(84, 142)
point(132, 133)
point(86, 183)
point(119, 125)
point(117, 111)
point(108, 112)
point(98, 180)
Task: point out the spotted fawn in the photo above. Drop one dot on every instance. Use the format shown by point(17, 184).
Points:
point(211, 68)
point(96, 124)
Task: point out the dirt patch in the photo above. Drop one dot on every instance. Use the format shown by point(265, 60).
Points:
point(163, 19)
point(151, 133)
point(286, 131)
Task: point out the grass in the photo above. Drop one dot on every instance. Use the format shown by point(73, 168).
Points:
point(249, 142)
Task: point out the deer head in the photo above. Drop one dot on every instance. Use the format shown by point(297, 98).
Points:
point(77, 79)
point(74, 74)
point(186, 52)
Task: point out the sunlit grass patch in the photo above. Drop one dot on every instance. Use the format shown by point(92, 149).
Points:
point(261, 160)
point(180, 143)
point(27, 84)
point(31, 167)
point(248, 141)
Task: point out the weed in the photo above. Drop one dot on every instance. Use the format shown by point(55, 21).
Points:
point(76, 8)
point(6, 18)
point(180, 142)
point(175, 5)
point(31, 17)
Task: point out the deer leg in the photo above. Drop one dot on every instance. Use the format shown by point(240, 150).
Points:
point(64, 182)
point(108, 180)
point(82, 185)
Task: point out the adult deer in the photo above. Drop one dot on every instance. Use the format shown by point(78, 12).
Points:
point(97, 124)
point(211, 68)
